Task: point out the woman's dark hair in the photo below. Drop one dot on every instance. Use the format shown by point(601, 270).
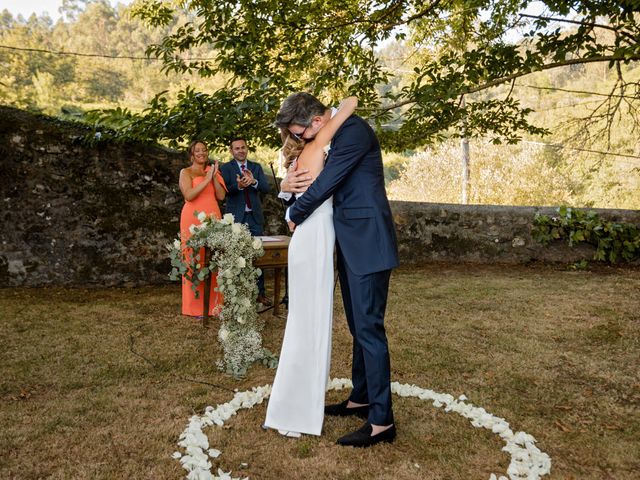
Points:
point(192, 146)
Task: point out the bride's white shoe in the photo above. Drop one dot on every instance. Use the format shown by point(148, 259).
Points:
point(289, 434)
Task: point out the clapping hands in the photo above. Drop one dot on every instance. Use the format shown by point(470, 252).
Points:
point(212, 171)
point(246, 179)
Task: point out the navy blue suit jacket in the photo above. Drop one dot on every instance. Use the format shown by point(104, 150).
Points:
point(362, 218)
point(235, 197)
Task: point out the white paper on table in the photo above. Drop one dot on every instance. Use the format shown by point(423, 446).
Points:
point(268, 239)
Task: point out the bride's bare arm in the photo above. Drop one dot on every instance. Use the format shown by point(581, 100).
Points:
point(345, 110)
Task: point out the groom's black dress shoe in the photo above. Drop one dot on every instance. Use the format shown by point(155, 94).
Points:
point(341, 410)
point(362, 437)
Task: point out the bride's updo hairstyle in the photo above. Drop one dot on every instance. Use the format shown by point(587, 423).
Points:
point(291, 148)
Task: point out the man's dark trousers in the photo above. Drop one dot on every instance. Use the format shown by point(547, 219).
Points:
point(365, 300)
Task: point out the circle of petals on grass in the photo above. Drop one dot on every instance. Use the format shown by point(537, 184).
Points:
point(528, 462)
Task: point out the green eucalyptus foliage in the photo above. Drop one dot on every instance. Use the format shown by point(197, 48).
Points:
point(267, 49)
point(614, 241)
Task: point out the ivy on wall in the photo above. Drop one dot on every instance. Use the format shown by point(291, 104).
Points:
point(613, 241)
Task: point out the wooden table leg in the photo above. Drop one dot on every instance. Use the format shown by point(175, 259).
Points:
point(276, 290)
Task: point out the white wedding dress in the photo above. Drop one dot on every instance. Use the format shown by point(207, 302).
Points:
point(296, 403)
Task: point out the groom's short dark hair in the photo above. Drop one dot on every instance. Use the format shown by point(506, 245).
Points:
point(299, 108)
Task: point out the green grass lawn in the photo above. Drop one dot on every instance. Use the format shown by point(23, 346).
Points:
point(100, 383)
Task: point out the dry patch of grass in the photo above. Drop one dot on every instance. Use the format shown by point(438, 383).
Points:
point(99, 383)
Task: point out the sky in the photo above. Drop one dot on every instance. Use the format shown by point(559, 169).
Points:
point(27, 7)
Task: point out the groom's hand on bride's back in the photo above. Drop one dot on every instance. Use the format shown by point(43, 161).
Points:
point(296, 181)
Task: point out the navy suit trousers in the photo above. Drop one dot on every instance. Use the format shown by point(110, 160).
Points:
point(365, 302)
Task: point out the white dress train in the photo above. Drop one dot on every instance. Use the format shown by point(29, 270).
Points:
point(297, 397)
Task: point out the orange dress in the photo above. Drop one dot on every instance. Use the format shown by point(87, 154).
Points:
point(205, 202)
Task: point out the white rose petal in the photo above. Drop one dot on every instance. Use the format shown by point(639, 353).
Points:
point(202, 216)
point(224, 475)
point(223, 334)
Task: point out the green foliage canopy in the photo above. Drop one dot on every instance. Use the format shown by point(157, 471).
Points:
point(267, 49)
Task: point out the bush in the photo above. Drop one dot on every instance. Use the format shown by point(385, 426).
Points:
point(613, 240)
point(522, 174)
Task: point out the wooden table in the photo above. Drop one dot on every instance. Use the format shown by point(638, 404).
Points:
point(275, 256)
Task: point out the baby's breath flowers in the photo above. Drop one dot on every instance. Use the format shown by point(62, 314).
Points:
point(233, 250)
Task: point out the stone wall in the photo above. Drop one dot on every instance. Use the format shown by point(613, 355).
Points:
point(75, 214)
point(483, 233)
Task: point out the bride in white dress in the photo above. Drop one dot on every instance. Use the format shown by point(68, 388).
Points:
point(296, 404)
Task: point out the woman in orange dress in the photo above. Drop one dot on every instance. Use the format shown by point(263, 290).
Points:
point(202, 187)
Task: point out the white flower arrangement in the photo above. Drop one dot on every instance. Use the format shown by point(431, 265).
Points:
point(527, 461)
point(232, 251)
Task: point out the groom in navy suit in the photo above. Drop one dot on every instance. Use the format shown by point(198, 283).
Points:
point(366, 250)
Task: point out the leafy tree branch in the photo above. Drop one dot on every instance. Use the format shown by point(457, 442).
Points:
point(268, 49)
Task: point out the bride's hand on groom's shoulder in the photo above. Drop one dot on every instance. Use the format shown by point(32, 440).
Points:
point(296, 181)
